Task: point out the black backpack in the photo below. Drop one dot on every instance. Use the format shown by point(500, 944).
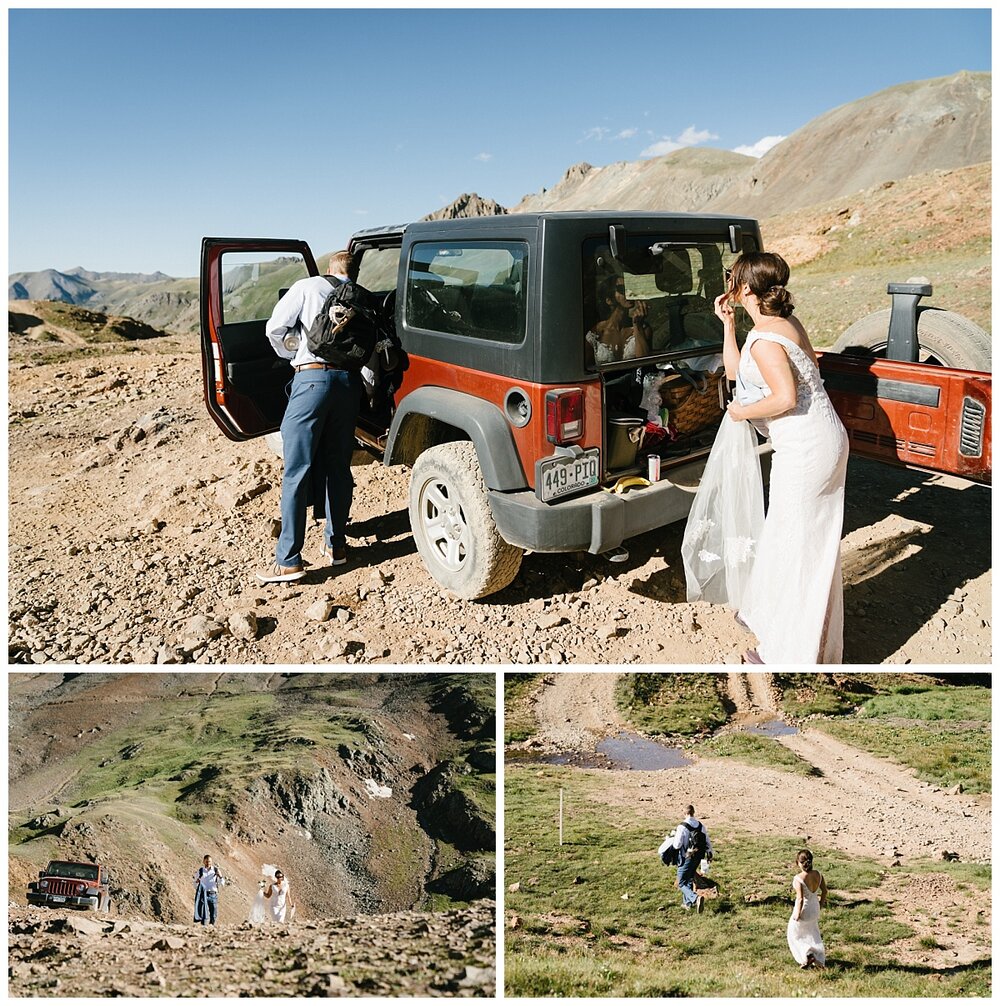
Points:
point(697, 842)
point(343, 333)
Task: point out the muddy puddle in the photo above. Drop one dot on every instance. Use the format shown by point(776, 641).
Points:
point(625, 750)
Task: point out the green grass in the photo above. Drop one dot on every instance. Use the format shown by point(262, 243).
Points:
point(752, 749)
point(941, 757)
point(685, 704)
point(931, 703)
point(576, 935)
point(519, 721)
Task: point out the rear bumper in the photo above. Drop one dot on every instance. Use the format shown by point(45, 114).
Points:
point(598, 520)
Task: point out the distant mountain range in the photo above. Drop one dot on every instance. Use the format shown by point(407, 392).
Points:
point(911, 129)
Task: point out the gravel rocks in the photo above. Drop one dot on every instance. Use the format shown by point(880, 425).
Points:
point(150, 532)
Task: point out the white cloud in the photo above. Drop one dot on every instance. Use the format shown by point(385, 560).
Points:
point(691, 137)
point(596, 133)
point(760, 148)
point(484, 157)
point(661, 147)
point(361, 213)
point(626, 134)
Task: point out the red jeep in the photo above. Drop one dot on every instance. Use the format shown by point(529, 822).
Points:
point(514, 430)
point(71, 885)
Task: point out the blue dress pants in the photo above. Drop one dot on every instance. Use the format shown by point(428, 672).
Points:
point(685, 880)
point(317, 436)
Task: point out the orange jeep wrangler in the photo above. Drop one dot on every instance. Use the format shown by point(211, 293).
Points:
point(516, 425)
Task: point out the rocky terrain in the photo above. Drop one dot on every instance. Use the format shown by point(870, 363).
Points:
point(451, 953)
point(135, 528)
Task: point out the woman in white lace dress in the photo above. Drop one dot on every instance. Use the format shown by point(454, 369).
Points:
point(624, 333)
point(804, 939)
point(794, 601)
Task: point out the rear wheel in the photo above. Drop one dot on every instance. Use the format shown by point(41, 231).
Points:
point(946, 339)
point(453, 525)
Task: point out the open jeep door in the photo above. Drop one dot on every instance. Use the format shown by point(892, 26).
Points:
point(241, 281)
point(914, 414)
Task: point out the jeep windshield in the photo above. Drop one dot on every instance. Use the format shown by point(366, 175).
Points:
point(78, 871)
point(656, 298)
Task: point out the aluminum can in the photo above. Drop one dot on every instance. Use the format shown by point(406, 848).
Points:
point(654, 467)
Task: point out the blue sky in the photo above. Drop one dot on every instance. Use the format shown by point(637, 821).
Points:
point(133, 133)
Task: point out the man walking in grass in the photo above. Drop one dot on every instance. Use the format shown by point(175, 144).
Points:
point(692, 844)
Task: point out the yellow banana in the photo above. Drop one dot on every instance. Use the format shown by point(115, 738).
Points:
point(628, 482)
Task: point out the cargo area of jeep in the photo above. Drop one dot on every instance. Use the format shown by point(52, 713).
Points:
point(71, 885)
point(527, 421)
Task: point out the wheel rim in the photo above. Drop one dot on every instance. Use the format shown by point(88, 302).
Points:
point(444, 526)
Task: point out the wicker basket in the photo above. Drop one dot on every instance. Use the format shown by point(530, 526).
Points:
point(692, 399)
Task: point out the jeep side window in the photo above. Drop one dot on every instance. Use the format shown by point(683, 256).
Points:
point(252, 284)
point(378, 269)
point(474, 289)
point(671, 294)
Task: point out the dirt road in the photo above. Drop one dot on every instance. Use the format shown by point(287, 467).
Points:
point(135, 528)
point(861, 804)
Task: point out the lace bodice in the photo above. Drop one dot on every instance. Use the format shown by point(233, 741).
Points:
point(606, 354)
point(810, 393)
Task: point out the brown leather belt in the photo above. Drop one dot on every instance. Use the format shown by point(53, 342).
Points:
point(316, 366)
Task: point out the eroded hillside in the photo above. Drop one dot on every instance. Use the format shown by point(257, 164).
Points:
point(374, 792)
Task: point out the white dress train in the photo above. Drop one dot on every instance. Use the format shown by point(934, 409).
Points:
point(794, 601)
point(803, 935)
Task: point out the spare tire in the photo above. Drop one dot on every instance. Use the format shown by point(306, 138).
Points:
point(946, 339)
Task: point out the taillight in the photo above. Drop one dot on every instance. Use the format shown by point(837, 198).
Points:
point(564, 415)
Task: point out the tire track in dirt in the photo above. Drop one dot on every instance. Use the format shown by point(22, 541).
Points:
point(574, 710)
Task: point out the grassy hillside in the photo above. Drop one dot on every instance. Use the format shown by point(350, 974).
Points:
point(599, 915)
point(940, 730)
point(843, 253)
point(144, 770)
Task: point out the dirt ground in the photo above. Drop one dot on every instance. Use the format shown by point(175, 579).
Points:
point(135, 527)
point(55, 953)
point(861, 804)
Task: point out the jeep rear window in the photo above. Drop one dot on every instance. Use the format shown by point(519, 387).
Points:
point(78, 871)
point(252, 283)
point(670, 290)
point(473, 289)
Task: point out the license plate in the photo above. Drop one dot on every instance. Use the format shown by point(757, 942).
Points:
point(561, 476)
point(56, 897)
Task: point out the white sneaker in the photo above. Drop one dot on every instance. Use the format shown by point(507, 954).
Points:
point(280, 574)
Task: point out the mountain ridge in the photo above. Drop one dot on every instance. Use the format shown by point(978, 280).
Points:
point(907, 130)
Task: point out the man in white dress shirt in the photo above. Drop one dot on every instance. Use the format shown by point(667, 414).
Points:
point(692, 841)
point(318, 427)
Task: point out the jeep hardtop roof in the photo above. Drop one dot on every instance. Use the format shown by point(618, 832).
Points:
point(377, 234)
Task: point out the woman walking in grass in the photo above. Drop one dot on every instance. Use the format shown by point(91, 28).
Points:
point(804, 939)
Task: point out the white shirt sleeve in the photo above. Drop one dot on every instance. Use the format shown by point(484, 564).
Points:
point(284, 318)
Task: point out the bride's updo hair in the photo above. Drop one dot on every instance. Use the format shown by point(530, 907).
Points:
point(766, 273)
point(805, 859)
